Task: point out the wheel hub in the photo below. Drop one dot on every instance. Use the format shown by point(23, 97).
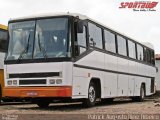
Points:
point(92, 94)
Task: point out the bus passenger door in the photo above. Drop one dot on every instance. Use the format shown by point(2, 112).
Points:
point(80, 78)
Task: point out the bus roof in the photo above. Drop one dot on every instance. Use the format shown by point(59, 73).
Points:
point(82, 17)
point(3, 27)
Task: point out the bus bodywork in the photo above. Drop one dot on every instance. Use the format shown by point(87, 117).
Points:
point(66, 56)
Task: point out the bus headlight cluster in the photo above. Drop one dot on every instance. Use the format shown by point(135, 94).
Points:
point(12, 82)
point(9, 82)
point(55, 81)
point(52, 81)
point(59, 81)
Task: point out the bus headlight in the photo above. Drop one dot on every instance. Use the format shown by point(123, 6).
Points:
point(9, 82)
point(14, 82)
point(52, 81)
point(59, 81)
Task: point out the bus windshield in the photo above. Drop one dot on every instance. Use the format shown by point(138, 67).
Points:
point(43, 38)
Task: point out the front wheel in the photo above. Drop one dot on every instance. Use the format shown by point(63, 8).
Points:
point(43, 103)
point(92, 95)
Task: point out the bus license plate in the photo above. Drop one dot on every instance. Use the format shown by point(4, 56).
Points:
point(32, 93)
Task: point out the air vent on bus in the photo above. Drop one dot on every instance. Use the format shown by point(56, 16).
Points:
point(32, 82)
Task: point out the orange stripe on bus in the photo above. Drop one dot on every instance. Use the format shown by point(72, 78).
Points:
point(65, 91)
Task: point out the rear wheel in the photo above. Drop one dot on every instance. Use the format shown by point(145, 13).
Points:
point(142, 95)
point(92, 95)
point(43, 103)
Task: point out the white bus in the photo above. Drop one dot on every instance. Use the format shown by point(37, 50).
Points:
point(70, 56)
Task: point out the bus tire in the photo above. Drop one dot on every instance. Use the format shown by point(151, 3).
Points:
point(92, 95)
point(142, 95)
point(43, 103)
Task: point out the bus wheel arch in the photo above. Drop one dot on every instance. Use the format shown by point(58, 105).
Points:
point(97, 83)
point(142, 95)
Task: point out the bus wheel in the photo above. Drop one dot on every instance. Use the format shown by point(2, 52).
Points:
point(92, 95)
point(43, 103)
point(142, 95)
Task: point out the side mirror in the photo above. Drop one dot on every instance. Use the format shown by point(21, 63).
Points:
point(80, 26)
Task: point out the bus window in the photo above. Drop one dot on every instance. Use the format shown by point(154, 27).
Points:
point(2, 45)
point(95, 35)
point(132, 49)
point(152, 58)
point(140, 52)
point(3, 38)
point(21, 37)
point(148, 54)
point(110, 41)
point(122, 48)
point(51, 38)
point(81, 41)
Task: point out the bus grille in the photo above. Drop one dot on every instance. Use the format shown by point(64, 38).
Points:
point(34, 75)
point(32, 82)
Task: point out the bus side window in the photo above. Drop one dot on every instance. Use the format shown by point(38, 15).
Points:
point(140, 55)
point(147, 55)
point(122, 45)
point(148, 52)
point(152, 58)
point(81, 41)
point(95, 35)
point(110, 43)
point(132, 49)
point(3, 40)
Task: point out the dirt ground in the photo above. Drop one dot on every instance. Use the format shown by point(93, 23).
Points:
point(120, 109)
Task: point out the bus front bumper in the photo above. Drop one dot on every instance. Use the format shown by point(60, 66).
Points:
point(22, 92)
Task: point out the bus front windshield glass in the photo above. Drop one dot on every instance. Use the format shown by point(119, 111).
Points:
point(21, 36)
point(43, 38)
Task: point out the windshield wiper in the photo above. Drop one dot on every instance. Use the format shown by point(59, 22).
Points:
point(41, 48)
point(25, 50)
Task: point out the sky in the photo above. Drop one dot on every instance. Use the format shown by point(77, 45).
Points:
point(139, 25)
